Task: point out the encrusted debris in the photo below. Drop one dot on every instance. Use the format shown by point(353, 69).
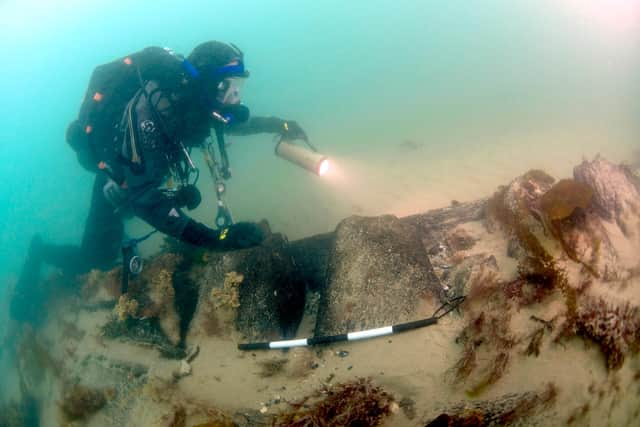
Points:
point(127, 307)
point(228, 296)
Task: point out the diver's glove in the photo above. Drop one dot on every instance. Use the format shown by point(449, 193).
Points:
point(188, 196)
point(237, 236)
point(241, 235)
point(290, 130)
point(115, 194)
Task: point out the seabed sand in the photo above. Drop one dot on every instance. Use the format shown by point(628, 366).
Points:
point(416, 366)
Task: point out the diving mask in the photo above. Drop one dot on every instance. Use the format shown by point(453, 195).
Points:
point(228, 90)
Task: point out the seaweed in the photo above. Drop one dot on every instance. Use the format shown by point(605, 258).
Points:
point(354, 403)
point(127, 307)
point(538, 272)
point(497, 368)
point(529, 404)
point(578, 414)
point(271, 367)
point(221, 423)
point(489, 333)
point(482, 285)
point(535, 339)
point(486, 337)
point(614, 328)
point(509, 409)
point(561, 200)
point(566, 203)
point(228, 296)
point(79, 402)
point(178, 418)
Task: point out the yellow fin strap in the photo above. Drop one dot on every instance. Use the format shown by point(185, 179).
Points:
point(223, 234)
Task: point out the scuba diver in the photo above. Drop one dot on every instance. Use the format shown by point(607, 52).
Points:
point(141, 116)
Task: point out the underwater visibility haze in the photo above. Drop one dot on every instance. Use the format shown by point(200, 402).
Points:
point(417, 104)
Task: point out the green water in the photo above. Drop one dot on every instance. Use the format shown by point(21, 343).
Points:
point(416, 102)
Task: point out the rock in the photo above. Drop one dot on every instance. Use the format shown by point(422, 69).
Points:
point(616, 192)
point(183, 370)
point(586, 240)
point(517, 205)
point(271, 295)
point(593, 219)
point(378, 275)
point(146, 332)
point(605, 236)
point(192, 353)
point(311, 255)
point(515, 209)
point(434, 226)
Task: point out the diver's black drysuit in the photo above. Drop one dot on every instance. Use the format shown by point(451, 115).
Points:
point(153, 127)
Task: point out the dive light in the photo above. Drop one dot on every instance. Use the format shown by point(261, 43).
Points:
point(312, 161)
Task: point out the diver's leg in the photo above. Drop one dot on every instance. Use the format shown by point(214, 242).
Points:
point(101, 240)
point(27, 294)
point(103, 232)
point(100, 247)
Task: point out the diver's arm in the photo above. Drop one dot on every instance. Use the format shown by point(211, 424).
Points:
point(289, 129)
point(256, 125)
point(163, 213)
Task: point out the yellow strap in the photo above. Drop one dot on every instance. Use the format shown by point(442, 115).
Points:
point(223, 234)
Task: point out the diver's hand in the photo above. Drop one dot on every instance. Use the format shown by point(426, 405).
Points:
point(290, 129)
point(237, 236)
point(241, 235)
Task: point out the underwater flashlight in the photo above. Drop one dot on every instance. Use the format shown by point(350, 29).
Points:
point(303, 157)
